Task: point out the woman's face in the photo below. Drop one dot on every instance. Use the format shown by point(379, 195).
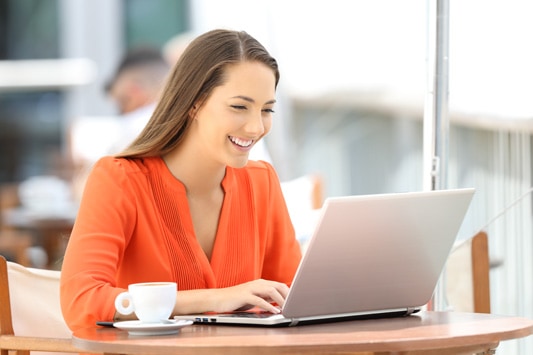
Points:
point(237, 114)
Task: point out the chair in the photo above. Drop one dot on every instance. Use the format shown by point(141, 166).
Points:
point(16, 245)
point(467, 275)
point(13, 242)
point(30, 315)
point(304, 196)
point(306, 191)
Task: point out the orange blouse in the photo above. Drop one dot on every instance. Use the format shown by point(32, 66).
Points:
point(134, 226)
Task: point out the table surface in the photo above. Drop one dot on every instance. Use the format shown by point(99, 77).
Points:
point(441, 332)
point(31, 218)
point(52, 228)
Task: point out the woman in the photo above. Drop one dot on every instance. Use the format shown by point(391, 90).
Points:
point(183, 203)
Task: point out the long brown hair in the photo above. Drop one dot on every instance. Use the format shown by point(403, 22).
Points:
point(198, 71)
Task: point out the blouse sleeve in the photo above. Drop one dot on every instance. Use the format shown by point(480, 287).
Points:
point(105, 220)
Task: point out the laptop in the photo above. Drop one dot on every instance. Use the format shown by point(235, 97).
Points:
point(370, 256)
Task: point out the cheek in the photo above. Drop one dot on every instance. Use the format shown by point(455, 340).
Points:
point(207, 119)
point(267, 124)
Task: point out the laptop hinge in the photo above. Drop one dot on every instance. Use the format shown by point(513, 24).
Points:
point(411, 310)
point(293, 322)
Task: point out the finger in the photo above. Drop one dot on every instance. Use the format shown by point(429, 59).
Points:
point(273, 292)
point(275, 296)
point(283, 289)
point(280, 294)
point(265, 305)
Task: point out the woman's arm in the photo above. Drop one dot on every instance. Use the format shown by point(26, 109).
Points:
point(96, 245)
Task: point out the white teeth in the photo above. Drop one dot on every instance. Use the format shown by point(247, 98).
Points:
point(241, 142)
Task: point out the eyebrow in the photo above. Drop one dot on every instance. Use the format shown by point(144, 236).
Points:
point(249, 99)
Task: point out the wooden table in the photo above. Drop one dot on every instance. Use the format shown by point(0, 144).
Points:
point(51, 228)
point(425, 333)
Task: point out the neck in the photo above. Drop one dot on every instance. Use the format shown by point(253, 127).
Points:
point(197, 177)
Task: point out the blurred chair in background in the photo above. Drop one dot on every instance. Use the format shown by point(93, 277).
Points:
point(14, 245)
point(37, 216)
point(304, 197)
point(467, 275)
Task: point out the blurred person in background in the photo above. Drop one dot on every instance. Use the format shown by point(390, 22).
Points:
point(135, 88)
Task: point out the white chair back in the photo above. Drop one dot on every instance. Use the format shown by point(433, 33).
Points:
point(35, 305)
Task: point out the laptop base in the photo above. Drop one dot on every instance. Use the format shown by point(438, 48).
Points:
point(247, 318)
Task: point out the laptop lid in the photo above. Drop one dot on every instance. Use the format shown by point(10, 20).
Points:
point(376, 255)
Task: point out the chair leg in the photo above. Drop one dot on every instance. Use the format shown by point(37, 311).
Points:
point(14, 352)
point(480, 269)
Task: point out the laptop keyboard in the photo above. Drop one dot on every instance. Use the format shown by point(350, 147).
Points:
point(248, 314)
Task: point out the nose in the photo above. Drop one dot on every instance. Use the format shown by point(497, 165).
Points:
point(255, 125)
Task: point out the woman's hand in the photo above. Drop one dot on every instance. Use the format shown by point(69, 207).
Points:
point(258, 293)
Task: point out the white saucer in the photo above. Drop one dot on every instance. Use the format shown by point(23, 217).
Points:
point(136, 327)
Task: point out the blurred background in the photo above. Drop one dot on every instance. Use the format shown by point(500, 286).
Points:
point(352, 91)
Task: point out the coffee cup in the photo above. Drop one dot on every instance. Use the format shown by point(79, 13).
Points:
point(152, 302)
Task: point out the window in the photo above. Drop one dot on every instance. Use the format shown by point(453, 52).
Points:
point(30, 121)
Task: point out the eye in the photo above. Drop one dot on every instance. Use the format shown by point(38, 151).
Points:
point(268, 110)
point(239, 107)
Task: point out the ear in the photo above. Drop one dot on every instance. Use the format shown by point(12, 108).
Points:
point(193, 111)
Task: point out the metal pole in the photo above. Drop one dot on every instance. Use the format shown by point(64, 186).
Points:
point(436, 122)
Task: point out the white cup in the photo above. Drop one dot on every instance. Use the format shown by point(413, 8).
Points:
point(152, 302)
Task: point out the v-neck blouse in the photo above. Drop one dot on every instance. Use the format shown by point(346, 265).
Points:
point(134, 225)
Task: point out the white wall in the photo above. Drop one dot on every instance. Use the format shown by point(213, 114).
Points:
point(338, 44)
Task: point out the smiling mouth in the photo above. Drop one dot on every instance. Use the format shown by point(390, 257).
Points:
point(241, 142)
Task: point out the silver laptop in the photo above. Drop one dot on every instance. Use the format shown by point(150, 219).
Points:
point(369, 256)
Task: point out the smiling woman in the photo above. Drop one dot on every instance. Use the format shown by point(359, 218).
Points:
point(183, 203)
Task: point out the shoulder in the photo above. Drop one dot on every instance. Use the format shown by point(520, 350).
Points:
point(260, 176)
point(124, 168)
point(120, 178)
point(257, 169)
point(125, 165)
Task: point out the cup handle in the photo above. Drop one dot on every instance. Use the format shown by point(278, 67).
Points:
point(124, 296)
